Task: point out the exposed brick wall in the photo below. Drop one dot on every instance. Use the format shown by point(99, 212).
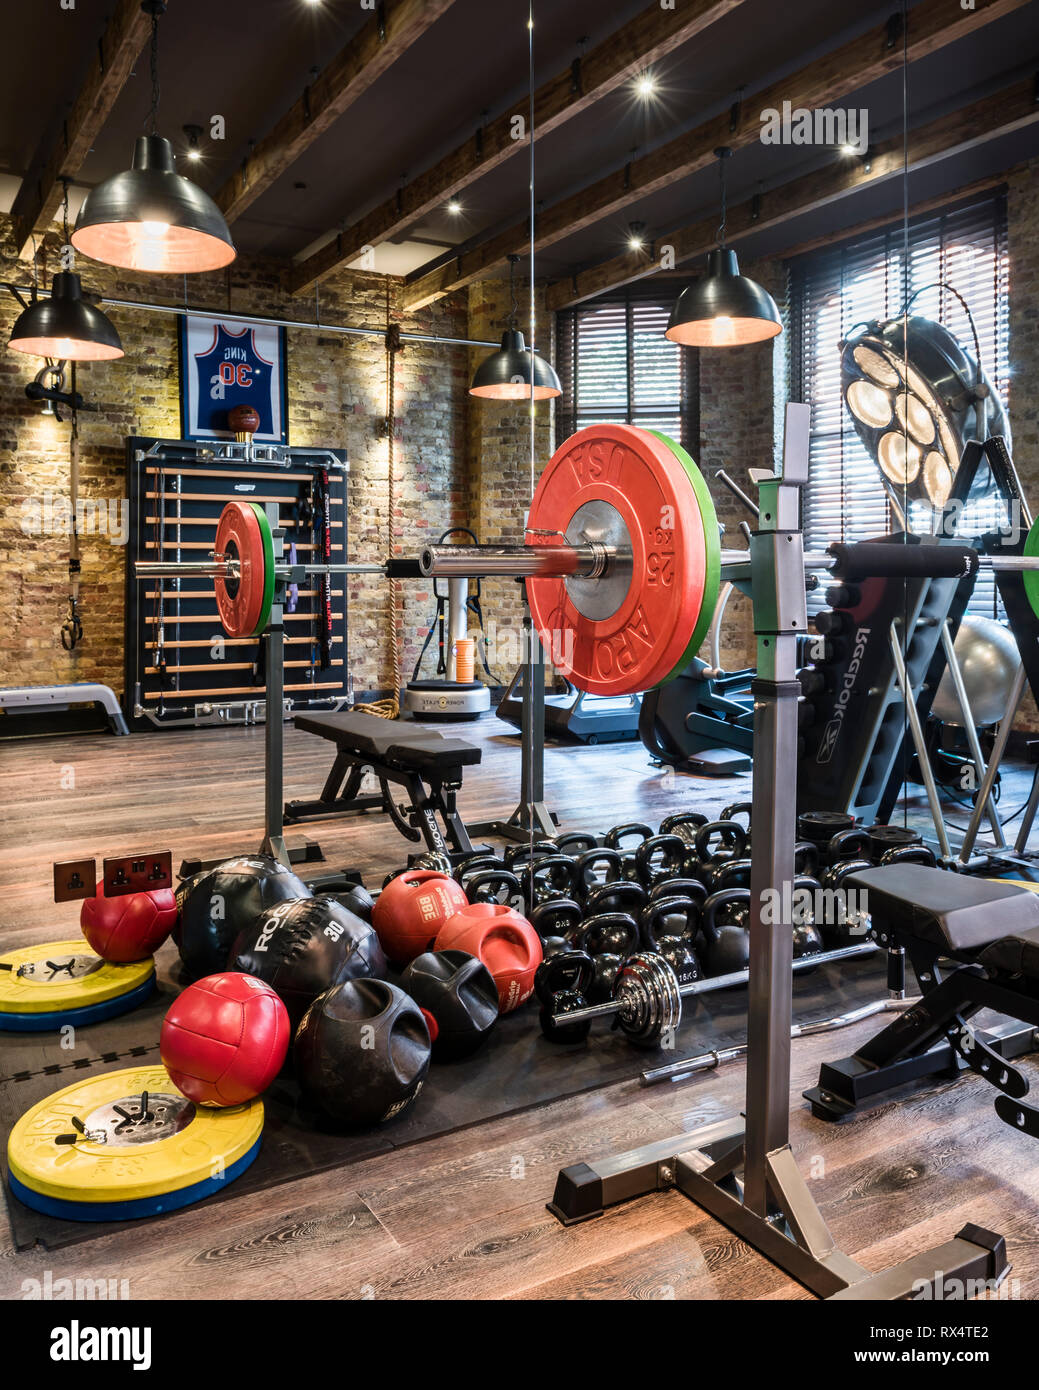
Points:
point(337, 394)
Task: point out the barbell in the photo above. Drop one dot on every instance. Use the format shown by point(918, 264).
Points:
point(622, 561)
point(647, 997)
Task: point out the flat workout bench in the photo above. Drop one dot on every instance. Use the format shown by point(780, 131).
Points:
point(423, 762)
point(973, 944)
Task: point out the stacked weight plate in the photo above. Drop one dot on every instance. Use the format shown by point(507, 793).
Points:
point(62, 983)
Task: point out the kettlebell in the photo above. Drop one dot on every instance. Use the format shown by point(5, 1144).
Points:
point(848, 844)
point(808, 939)
point(730, 873)
point(684, 824)
point(716, 842)
point(594, 867)
point(738, 808)
point(576, 842)
point(494, 886)
point(561, 984)
point(658, 921)
point(551, 876)
point(806, 858)
point(518, 856)
point(679, 888)
point(435, 860)
point(846, 927)
point(631, 830)
point(725, 925)
point(908, 854)
point(616, 897)
point(659, 858)
point(472, 863)
point(557, 923)
point(609, 939)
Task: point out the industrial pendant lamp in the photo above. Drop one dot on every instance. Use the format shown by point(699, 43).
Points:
point(723, 308)
point(65, 326)
point(150, 217)
point(506, 375)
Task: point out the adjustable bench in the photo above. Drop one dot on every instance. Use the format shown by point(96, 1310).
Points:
point(421, 761)
point(973, 944)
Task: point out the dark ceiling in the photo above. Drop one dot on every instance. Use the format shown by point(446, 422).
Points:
point(249, 59)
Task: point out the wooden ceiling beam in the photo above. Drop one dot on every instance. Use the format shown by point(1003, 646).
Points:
point(40, 193)
point(1004, 111)
point(385, 38)
point(645, 39)
point(862, 60)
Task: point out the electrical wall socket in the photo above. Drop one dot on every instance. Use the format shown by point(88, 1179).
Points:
point(74, 879)
point(137, 873)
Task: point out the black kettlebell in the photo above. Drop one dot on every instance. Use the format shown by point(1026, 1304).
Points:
point(658, 922)
point(848, 844)
point(808, 940)
point(630, 830)
point(472, 864)
point(620, 896)
point(679, 888)
point(725, 926)
point(518, 856)
point(551, 876)
point(557, 922)
point(609, 939)
point(908, 854)
point(846, 925)
point(594, 867)
point(716, 843)
point(660, 858)
point(576, 842)
point(685, 824)
point(806, 858)
point(738, 808)
point(561, 984)
point(433, 859)
point(730, 873)
point(458, 995)
point(494, 886)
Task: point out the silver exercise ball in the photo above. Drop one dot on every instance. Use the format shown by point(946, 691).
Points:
point(989, 659)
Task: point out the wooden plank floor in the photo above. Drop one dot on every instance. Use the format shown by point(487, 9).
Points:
point(463, 1216)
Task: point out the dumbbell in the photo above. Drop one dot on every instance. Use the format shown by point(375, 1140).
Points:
point(647, 998)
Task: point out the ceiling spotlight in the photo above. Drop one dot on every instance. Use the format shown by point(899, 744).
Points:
point(454, 207)
point(194, 133)
point(645, 85)
point(636, 237)
point(849, 149)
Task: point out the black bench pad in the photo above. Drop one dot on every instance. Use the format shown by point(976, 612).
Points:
point(389, 740)
point(1014, 955)
point(950, 909)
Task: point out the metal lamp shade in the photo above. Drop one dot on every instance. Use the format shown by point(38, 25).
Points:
point(724, 308)
point(151, 218)
point(506, 374)
point(65, 326)
point(912, 393)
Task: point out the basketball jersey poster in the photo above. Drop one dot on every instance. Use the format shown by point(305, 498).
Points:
point(226, 363)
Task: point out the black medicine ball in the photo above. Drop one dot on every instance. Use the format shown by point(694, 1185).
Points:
point(362, 1052)
point(459, 992)
point(223, 902)
point(305, 946)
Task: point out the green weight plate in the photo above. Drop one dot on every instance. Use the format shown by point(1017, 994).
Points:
point(713, 548)
point(268, 569)
point(1031, 577)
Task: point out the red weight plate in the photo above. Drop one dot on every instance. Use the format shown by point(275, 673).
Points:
point(240, 601)
point(637, 474)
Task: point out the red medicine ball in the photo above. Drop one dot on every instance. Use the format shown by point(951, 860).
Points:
point(224, 1039)
point(411, 909)
point(506, 943)
point(132, 927)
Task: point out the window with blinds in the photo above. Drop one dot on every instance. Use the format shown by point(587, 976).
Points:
point(836, 289)
point(615, 365)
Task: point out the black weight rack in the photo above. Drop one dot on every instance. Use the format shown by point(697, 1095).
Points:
point(181, 668)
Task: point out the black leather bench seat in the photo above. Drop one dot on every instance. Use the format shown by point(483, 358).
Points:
point(389, 740)
point(953, 910)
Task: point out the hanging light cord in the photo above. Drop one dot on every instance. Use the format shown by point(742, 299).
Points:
point(154, 114)
point(721, 179)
